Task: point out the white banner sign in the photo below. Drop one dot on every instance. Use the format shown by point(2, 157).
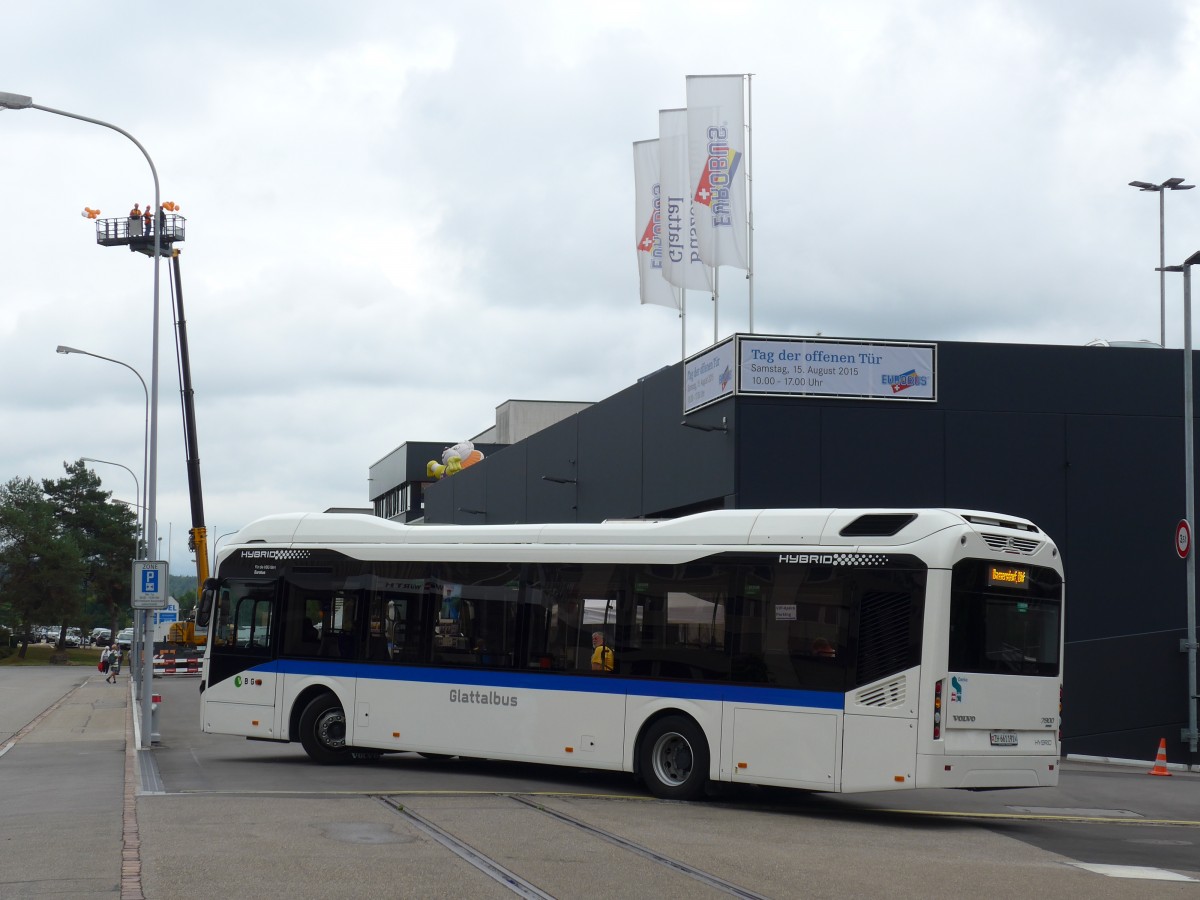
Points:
point(681, 263)
point(812, 367)
point(653, 288)
point(708, 376)
point(717, 167)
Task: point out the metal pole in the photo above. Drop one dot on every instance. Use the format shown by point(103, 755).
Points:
point(1162, 275)
point(147, 656)
point(137, 491)
point(1189, 490)
point(716, 300)
point(66, 351)
point(683, 323)
point(750, 196)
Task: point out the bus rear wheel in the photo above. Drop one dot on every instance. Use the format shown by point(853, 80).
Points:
point(673, 759)
point(323, 731)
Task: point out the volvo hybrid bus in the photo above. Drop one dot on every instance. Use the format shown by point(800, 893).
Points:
point(821, 649)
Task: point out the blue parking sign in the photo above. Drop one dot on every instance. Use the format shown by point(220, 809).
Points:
point(149, 584)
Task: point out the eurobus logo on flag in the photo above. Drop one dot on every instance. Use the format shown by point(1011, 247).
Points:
point(713, 190)
point(651, 240)
point(646, 242)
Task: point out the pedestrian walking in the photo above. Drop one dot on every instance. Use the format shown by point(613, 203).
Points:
point(106, 661)
point(114, 666)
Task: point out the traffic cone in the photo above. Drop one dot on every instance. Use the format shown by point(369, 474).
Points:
point(1160, 761)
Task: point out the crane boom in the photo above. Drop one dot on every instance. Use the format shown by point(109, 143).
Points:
point(197, 537)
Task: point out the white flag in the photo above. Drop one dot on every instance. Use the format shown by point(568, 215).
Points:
point(717, 163)
point(648, 226)
point(682, 265)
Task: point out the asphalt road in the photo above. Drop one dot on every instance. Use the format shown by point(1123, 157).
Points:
point(233, 818)
point(1098, 815)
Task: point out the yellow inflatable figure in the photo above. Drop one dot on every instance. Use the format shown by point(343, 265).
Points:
point(454, 459)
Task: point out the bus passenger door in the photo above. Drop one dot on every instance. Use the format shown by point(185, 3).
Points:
point(240, 696)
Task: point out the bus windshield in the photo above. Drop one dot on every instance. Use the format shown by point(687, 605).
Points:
point(1005, 619)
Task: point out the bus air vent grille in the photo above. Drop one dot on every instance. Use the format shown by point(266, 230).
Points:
point(888, 696)
point(877, 525)
point(886, 630)
point(1006, 544)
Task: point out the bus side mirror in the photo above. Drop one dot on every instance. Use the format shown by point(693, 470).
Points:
point(208, 598)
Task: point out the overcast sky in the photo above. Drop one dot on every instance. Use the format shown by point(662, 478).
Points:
point(400, 214)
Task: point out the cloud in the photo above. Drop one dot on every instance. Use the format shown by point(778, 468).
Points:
point(401, 215)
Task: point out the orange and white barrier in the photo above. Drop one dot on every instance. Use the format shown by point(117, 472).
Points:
point(169, 665)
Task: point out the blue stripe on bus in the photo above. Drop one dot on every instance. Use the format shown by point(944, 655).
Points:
point(548, 681)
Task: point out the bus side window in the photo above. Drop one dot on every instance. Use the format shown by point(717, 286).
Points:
point(377, 640)
point(252, 622)
point(339, 638)
point(302, 634)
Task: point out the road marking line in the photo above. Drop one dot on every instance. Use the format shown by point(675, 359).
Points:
point(1145, 873)
point(1103, 820)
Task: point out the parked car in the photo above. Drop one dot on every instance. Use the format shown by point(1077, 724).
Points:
point(73, 638)
point(101, 637)
point(125, 638)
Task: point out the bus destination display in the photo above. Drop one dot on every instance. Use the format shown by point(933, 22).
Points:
point(1008, 577)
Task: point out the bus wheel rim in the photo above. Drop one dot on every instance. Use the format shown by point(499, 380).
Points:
point(672, 759)
point(331, 729)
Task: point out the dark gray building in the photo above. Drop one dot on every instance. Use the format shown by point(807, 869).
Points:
point(1088, 442)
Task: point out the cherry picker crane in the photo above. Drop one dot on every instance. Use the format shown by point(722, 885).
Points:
point(138, 233)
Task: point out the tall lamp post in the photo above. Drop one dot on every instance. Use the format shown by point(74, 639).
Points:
point(217, 543)
point(20, 101)
point(1188, 644)
point(145, 438)
point(1171, 184)
point(137, 544)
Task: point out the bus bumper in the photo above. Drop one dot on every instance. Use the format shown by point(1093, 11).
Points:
point(975, 772)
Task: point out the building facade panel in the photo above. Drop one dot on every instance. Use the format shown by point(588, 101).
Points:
point(1085, 441)
point(1009, 462)
point(553, 454)
point(610, 459)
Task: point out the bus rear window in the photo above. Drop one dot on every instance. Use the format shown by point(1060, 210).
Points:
point(1005, 625)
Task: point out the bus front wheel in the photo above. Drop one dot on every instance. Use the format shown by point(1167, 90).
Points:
point(673, 759)
point(323, 730)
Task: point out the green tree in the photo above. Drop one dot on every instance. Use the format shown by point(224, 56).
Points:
point(41, 567)
point(104, 530)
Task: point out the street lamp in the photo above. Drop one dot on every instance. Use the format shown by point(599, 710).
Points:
point(1171, 184)
point(1189, 643)
point(20, 101)
point(217, 543)
point(146, 436)
point(138, 539)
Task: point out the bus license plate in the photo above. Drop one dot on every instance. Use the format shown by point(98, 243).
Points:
point(1003, 739)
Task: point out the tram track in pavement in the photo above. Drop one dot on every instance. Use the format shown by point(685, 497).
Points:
point(524, 888)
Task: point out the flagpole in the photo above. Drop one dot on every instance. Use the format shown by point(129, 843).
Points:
point(716, 301)
point(682, 323)
point(750, 194)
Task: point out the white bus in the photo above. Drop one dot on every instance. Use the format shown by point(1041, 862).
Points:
point(820, 649)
